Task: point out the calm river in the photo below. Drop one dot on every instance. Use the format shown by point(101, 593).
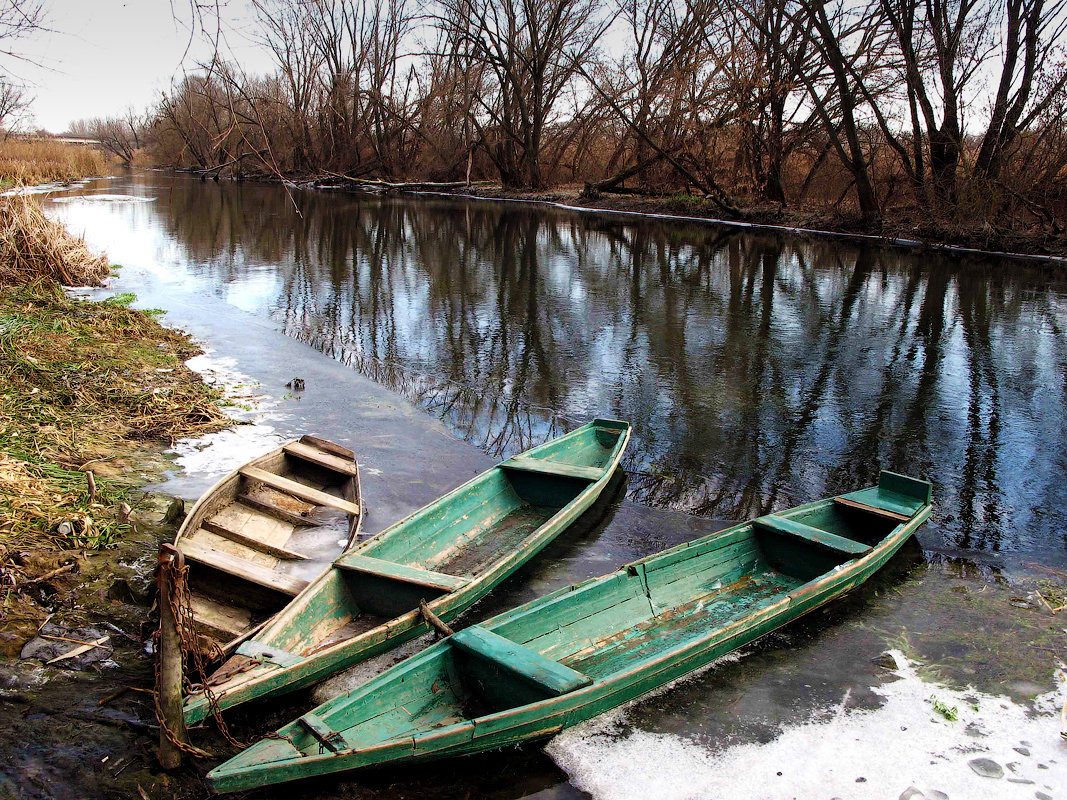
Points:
point(759, 370)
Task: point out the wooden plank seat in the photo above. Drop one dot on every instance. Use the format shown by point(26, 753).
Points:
point(251, 542)
point(896, 497)
point(296, 489)
point(265, 652)
point(327, 736)
point(401, 572)
point(262, 576)
point(816, 536)
point(314, 455)
point(552, 677)
point(553, 468)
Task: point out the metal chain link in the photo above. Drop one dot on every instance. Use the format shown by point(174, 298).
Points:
point(181, 607)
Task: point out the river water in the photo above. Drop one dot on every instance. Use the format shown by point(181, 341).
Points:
point(759, 370)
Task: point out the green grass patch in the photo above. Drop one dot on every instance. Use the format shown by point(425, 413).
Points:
point(88, 386)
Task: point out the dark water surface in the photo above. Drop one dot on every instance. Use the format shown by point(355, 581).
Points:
point(759, 370)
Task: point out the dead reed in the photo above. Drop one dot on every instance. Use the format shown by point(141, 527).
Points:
point(30, 161)
point(32, 246)
point(89, 385)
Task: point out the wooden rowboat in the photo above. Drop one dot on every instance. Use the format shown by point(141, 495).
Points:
point(570, 655)
point(427, 568)
point(258, 536)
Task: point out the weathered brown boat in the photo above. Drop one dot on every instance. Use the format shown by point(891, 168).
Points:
point(259, 535)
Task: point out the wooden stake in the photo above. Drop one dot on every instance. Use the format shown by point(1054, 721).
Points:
point(169, 661)
point(91, 480)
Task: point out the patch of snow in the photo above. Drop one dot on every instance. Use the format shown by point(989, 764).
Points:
point(219, 453)
point(902, 747)
point(104, 197)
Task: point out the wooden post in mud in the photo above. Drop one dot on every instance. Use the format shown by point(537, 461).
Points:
point(169, 660)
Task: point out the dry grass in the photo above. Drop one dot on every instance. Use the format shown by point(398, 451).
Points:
point(29, 161)
point(32, 246)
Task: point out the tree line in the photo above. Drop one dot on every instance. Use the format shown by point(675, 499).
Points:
point(938, 109)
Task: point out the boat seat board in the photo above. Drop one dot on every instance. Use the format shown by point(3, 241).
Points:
point(300, 490)
point(816, 536)
point(898, 506)
point(253, 523)
point(552, 677)
point(400, 572)
point(286, 515)
point(268, 652)
point(251, 542)
point(553, 468)
point(327, 446)
point(223, 621)
point(314, 455)
point(240, 568)
point(323, 732)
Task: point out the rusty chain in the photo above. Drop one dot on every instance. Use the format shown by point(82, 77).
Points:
point(181, 607)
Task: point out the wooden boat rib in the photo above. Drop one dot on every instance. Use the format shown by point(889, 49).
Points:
point(255, 539)
point(570, 655)
point(448, 554)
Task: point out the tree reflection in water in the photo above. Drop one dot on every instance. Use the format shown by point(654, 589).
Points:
point(758, 370)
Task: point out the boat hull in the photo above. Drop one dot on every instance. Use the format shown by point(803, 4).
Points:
point(788, 600)
point(566, 479)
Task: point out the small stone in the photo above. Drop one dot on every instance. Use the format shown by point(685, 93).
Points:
point(861, 780)
point(986, 767)
point(1042, 796)
point(1021, 751)
point(911, 793)
point(1025, 743)
point(175, 512)
point(886, 661)
point(1019, 780)
point(1042, 766)
point(938, 795)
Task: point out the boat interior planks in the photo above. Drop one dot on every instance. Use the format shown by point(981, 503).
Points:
point(446, 555)
point(584, 649)
point(242, 538)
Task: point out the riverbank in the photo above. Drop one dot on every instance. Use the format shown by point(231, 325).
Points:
point(909, 229)
point(902, 232)
point(93, 393)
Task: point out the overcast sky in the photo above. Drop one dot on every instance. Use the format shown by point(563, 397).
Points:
point(104, 55)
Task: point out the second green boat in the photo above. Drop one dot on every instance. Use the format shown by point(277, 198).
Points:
point(447, 556)
point(563, 658)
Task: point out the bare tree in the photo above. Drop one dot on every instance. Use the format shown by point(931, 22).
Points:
point(14, 106)
point(528, 52)
point(1029, 84)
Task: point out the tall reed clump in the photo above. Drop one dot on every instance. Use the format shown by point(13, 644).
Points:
point(32, 246)
point(29, 161)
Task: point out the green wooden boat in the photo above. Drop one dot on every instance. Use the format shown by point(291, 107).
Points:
point(566, 657)
point(449, 554)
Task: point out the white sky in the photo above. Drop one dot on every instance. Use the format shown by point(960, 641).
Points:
point(104, 55)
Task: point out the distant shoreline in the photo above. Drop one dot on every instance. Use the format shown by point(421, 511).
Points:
point(1035, 248)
